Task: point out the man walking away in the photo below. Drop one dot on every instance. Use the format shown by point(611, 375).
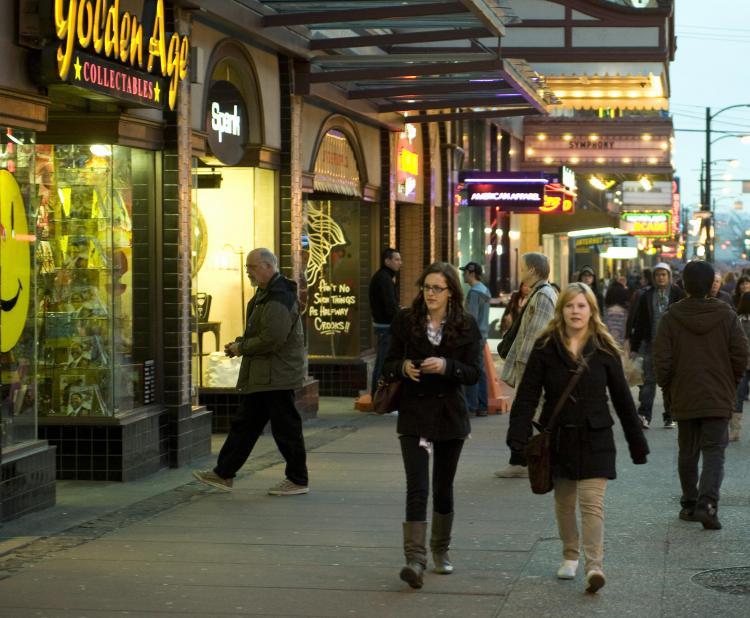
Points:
point(700, 353)
point(273, 355)
point(478, 305)
point(384, 307)
point(536, 314)
point(651, 306)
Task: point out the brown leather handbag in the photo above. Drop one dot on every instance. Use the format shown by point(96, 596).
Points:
point(387, 396)
point(539, 448)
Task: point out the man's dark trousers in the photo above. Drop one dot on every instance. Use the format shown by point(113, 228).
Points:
point(696, 437)
point(383, 334)
point(256, 409)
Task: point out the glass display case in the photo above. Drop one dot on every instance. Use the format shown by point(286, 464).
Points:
point(89, 363)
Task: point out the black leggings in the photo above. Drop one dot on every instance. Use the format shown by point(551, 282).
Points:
point(417, 468)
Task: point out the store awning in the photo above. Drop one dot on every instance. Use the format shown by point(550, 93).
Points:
point(351, 54)
point(593, 53)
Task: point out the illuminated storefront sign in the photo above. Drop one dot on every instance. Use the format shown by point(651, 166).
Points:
point(558, 199)
point(652, 224)
point(518, 192)
point(510, 191)
point(336, 168)
point(676, 219)
point(114, 53)
point(226, 122)
point(408, 164)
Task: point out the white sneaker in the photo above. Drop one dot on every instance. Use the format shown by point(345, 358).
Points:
point(644, 421)
point(594, 580)
point(513, 472)
point(567, 569)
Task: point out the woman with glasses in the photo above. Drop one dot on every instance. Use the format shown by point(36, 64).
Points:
point(434, 350)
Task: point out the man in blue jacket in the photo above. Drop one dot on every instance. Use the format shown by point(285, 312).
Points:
point(478, 305)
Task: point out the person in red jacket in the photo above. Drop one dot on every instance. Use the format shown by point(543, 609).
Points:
point(700, 353)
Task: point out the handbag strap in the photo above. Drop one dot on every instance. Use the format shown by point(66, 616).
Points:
point(566, 393)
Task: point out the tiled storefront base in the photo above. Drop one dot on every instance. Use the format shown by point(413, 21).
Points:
point(112, 449)
point(201, 431)
point(342, 377)
point(27, 480)
point(223, 403)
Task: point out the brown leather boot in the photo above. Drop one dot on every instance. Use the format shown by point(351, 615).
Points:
point(415, 533)
point(440, 541)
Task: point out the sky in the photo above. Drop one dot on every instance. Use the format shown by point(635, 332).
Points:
point(711, 70)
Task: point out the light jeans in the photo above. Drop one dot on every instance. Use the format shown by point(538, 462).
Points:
point(589, 494)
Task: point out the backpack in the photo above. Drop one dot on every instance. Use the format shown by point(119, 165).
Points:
point(507, 341)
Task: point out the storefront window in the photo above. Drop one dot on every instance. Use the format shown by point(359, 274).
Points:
point(18, 206)
point(332, 274)
point(93, 277)
point(471, 236)
point(233, 212)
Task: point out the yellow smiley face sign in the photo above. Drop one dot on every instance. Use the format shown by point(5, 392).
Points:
point(15, 262)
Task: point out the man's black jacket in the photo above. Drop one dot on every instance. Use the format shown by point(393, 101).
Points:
point(644, 310)
point(383, 296)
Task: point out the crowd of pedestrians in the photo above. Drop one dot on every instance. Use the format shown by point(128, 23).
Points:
point(562, 352)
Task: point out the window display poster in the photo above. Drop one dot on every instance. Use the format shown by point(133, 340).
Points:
point(332, 278)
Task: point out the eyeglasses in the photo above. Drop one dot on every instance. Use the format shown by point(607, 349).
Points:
point(432, 289)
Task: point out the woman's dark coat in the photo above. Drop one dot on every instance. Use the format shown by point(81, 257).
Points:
point(583, 443)
point(433, 408)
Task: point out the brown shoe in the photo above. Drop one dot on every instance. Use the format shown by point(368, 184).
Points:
point(209, 477)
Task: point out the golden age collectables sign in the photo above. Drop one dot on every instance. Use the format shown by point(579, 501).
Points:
point(98, 47)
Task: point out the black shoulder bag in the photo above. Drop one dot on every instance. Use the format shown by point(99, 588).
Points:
point(539, 449)
point(508, 338)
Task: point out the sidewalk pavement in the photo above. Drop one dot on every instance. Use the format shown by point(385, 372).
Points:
point(170, 546)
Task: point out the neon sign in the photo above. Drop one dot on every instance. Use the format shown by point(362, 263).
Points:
point(518, 192)
point(652, 224)
point(98, 27)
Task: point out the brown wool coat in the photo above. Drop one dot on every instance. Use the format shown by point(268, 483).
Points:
point(700, 353)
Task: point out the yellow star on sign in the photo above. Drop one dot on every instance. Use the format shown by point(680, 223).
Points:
point(156, 92)
point(77, 67)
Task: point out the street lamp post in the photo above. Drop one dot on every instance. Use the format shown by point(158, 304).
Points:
point(707, 204)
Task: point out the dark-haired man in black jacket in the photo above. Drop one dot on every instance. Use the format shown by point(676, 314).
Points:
point(384, 306)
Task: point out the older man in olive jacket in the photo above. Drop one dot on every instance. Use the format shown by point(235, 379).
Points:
point(700, 353)
point(273, 357)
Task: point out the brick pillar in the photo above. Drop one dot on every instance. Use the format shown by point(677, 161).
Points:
point(386, 218)
point(290, 174)
point(176, 247)
point(428, 211)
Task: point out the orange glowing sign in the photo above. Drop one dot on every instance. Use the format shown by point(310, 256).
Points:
point(558, 200)
point(409, 162)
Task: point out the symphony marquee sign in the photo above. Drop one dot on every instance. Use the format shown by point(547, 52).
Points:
point(99, 48)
